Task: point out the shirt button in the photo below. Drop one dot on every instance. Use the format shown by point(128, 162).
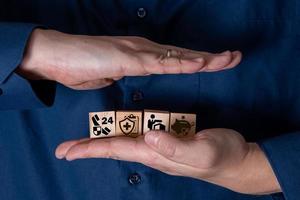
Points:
point(137, 96)
point(141, 12)
point(1, 91)
point(134, 179)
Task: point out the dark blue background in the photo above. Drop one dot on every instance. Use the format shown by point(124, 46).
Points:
point(260, 98)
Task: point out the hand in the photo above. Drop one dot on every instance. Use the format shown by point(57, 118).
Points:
point(219, 156)
point(90, 62)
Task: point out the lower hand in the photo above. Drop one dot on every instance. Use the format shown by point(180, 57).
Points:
point(90, 62)
point(219, 156)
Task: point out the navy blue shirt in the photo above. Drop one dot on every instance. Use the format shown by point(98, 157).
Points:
point(260, 98)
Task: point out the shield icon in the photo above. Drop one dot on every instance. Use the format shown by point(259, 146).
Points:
point(127, 125)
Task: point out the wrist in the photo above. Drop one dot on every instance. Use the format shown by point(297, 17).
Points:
point(254, 175)
point(250, 175)
point(39, 60)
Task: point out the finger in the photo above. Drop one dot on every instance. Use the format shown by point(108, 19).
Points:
point(188, 62)
point(128, 149)
point(92, 84)
point(222, 61)
point(226, 61)
point(216, 62)
point(237, 57)
point(155, 63)
point(183, 151)
point(107, 148)
point(151, 58)
point(121, 148)
point(167, 145)
point(63, 148)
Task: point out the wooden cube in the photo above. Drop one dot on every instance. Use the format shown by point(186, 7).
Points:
point(182, 124)
point(156, 120)
point(129, 123)
point(102, 124)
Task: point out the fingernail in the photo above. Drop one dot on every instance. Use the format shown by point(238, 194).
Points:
point(225, 52)
point(235, 53)
point(152, 138)
point(70, 158)
point(59, 155)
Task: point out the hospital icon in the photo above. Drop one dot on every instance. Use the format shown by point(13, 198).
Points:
point(129, 123)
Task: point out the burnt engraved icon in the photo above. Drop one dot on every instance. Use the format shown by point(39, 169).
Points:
point(155, 124)
point(99, 127)
point(130, 125)
point(182, 127)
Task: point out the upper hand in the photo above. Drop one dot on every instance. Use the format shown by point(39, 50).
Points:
point(219, 156)
point(89, 62)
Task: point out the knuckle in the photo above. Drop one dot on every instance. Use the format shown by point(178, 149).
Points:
point(127, 43)
point(139, 39)
point(201, 63)
point(146, 61)
point(132, 42)
point(123, 65)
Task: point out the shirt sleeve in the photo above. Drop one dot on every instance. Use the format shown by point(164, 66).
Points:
point(15, 91)
point(283, 153)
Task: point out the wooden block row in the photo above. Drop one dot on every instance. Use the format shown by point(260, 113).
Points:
point(135, 123)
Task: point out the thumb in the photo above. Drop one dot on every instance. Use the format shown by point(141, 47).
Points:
point(196, 151)
point(166, 145)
